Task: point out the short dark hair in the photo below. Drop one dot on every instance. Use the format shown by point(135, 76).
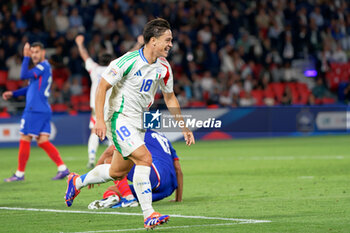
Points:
point(155, 28)
point(38, 44)
point(104, 59)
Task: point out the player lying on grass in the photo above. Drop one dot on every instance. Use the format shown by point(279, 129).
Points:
point(134, 78)
point(166, 175)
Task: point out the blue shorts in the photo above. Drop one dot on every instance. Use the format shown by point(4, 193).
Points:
point(35, 123)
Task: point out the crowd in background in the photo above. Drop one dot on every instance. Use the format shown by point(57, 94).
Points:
point(225, 53)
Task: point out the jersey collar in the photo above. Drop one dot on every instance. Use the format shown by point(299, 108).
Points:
point(142, 55)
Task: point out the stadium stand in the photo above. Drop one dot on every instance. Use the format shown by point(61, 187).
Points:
point(252, 49)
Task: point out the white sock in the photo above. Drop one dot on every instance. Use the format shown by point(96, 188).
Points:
point(129, 197)
point(98, 175)
point(92, 147)
point(62, 168)
point(143, 189)
point(19, 173)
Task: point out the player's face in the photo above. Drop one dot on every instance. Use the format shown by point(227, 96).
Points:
point(38, 54)
point(164, 44)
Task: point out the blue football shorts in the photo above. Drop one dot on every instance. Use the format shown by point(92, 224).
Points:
point(35, 123)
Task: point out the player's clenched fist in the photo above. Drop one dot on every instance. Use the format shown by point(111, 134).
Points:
point(79, 39)
point(7, 95)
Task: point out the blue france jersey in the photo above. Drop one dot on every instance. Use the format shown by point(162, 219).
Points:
point(40, 79)
point(163, 175)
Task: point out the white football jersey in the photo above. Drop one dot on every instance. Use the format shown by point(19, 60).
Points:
point(95, 71)
point(135, 83)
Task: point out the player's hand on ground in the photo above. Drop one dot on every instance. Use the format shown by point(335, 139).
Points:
point(188, 135)
point(174, 200)
point(26, 50)
point(7, 95)
point(79, 39)
point(100, 129)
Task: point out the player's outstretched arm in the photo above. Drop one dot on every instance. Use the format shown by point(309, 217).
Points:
point(174, 108)
point(100, 126)
point(79, 40)
point(9, 94)
point(180, 181)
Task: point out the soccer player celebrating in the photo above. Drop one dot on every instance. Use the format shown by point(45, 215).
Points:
point(165, 177)
point(37, 113)
point(135, 78)
point(95, 70)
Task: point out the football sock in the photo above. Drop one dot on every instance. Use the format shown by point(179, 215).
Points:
point(130, 197)
point(142, 186)
point(92, 147)
point(100, 174)
point(62, 168)
point(52, 152)
point(109, 193)
point(123, 187)
point(23, 156)
point(19, 174)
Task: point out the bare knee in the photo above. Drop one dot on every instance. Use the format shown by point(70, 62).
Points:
point(27, 138)
point(117, 175)
point(144, 161)
point(42, 138)
point(119, 167)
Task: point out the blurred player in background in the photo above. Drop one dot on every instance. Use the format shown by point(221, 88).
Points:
point(95, 70)
point(135, 78)
point(36, 117)
point(166, 175)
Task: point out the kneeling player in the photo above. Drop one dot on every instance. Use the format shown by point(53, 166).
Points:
point(166, 175)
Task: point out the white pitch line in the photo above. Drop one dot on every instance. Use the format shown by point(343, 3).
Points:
point(218, 218)
point(67, 211)
point(134, 214)
point(162, 227)
point(327, 157)
point(306, 177)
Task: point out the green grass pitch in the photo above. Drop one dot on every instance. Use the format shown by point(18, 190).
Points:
point(299, 184)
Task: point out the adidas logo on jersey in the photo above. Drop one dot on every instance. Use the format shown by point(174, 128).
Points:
point(138, 73)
